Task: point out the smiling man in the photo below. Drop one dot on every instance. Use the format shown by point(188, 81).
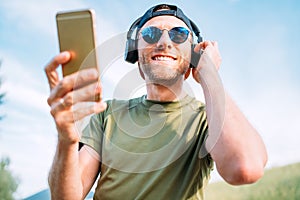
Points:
point(161, 145)
point(164, 62)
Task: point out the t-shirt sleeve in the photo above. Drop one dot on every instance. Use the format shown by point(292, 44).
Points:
point(205, 157)
point(92, 134)
point(206, 162)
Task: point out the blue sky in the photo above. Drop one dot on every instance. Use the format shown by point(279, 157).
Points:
point(259, 44)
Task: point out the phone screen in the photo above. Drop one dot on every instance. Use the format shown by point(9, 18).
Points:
point(76, 33)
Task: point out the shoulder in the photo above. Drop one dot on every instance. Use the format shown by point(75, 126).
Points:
point(195, 104)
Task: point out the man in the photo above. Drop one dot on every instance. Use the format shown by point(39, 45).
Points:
point(158, 146)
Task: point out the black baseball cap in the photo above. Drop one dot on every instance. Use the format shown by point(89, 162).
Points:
point(159, 10)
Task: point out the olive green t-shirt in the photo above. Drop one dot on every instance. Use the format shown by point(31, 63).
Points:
point(150, 149)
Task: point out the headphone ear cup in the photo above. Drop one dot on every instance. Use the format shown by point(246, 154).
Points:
point(131, 53)
point(194, 57)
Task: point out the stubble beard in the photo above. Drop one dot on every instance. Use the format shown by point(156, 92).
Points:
point(161, 75)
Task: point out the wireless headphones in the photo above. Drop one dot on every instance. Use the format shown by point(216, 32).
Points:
point(131, 52)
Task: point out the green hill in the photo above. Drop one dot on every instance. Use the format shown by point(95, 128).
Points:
point(281, 183)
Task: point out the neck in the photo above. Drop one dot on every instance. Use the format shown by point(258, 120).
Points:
point(160, 92)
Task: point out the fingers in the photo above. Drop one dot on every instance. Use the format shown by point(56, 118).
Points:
point(199, 47)
point(210, 57)
point(66, 119)
point(74, 97)
point(50, 69)
point(203, 45)
point(210, 49)
point(75, 82)
point(83, 109)
point(57, 60)
point(77, 104)
point(90, 93)
point(75, 113)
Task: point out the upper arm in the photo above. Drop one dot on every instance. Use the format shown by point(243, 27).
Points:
point(89, 161)
point(238, 151)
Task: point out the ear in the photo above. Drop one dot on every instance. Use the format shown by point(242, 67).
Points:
point(187, 73)
point(141, 72)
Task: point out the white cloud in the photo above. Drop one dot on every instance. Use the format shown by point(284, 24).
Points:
point(258, 70)
point(27, 132)
point(37, 16)
point(22, 84)
point(259, 79)
point(274, 113)
point(31, 153)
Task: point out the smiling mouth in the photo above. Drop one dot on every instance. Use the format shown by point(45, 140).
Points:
point(163, 58)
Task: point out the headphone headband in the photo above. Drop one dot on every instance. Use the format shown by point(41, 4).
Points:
point(131, 54)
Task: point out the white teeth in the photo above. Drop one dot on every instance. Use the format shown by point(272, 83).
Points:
point(163, 58)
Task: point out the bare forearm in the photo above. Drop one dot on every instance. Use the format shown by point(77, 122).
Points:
point(73, 173)
point(64, 177)
point(233, 143)
point(238, 149)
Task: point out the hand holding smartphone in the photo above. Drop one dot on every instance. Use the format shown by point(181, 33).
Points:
point(76, 34)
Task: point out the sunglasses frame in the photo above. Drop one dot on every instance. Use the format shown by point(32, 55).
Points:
point(173, 33)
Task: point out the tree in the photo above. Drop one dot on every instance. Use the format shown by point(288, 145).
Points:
point(8, 183)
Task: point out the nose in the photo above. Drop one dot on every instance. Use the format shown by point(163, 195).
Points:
point(164, 41)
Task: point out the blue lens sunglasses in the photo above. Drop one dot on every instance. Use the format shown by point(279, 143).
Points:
point(177, 35)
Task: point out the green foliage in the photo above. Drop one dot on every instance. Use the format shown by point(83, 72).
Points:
point(277, 184)
point(8, 183)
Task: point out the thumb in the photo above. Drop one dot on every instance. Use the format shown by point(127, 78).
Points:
point(199, 46)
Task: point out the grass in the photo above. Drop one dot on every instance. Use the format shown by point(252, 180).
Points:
point(281, 183)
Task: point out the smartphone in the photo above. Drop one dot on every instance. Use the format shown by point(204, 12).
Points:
point(76, 34)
